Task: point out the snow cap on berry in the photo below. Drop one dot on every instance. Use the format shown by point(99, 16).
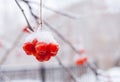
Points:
point(42, 45)
point(42, 36)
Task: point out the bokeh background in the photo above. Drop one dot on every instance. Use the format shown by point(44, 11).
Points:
point(96, 27)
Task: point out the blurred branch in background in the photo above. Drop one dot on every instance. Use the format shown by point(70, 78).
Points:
point(34, 16)
point(92, 67)
point(12, 48)
point(117, 60)
point(66, 69)
point(69, 15)
point(43, 71)
point(29, 26)
point(7, 53)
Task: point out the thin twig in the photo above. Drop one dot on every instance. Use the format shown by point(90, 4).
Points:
point(66, 69)
point(62, 13)
point(69, 15)
point(30, 8)
point(41, 14)
point(29, 26)
point(61, 36)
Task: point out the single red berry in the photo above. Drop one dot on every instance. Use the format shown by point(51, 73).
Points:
point(81, 61)
point(41, 48)
point(53, 49)
point(25, 29)
point(40, 54)
point(28, 47)
point(34, 42)
point(47, 57)
point(40, 58)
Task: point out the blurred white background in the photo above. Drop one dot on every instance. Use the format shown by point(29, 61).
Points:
point(97, 29)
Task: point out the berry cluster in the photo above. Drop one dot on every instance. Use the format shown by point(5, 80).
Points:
point(41, 49)
point(81, 61)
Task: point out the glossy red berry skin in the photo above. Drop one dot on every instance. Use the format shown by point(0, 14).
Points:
point(40, 58)
point(41, 48)
point(47, 57)
point(28, 47)
point(34, 42)
point(53, 49)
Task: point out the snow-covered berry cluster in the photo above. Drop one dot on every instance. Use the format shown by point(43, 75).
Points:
point(42, 45)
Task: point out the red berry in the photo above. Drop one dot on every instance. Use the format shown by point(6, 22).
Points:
point(53, 49)
point(29, 48)
point(47, 57)
point(81, 61)
point(41, 48)
point(34, 42)
point(25, 29)
point(40, 58)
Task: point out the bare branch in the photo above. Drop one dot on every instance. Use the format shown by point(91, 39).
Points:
point(61, 36)
point(66, 69)
point(62, 13)
point(30, 9)
point(41, 13)
point(29, 26)
point(69, 15)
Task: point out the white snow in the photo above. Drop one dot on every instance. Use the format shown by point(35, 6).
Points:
point(42, 36)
